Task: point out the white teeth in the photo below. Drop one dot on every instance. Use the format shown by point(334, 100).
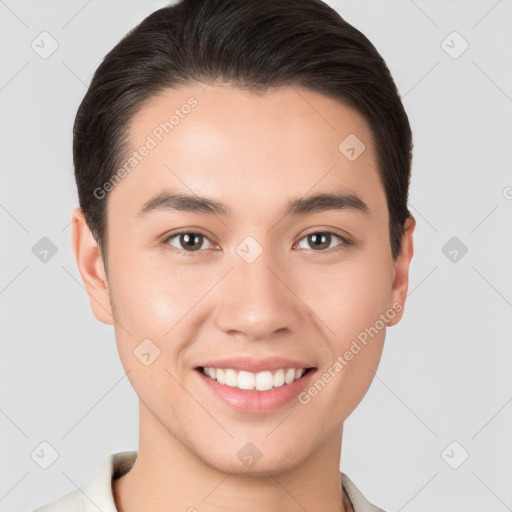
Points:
point(290, 376)
point(231, 379)
point(261, 381)
point(278, 378)
point(245, 380)
point(221, 379)
point(264, 381)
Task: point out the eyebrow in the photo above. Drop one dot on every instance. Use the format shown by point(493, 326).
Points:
point(175, 201)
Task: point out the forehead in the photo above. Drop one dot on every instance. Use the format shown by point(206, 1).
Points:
point(243, 146)
point(293, 112)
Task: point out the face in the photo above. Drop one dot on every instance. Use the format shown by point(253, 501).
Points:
point(264, 277)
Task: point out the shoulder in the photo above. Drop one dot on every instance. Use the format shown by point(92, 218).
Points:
point(359, 502)
point(96, 493)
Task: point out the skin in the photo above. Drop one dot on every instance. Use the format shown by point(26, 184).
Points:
point(253, 152)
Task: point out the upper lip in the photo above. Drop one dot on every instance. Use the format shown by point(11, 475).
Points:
point(249, 364)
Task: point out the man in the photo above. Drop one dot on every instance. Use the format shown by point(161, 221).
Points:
point(243, 170)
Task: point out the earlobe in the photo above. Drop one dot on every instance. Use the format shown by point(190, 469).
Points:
point(401, 270)
point(90, 265)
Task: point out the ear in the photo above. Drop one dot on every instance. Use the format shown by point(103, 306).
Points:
point(401, 270)
point(90, 265)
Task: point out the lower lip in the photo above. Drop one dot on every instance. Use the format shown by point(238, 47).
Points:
point(257, 401)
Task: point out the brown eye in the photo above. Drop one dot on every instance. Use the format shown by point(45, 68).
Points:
point(322, 240)
point(188, 241)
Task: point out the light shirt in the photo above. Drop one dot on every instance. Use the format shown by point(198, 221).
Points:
point(96, 493)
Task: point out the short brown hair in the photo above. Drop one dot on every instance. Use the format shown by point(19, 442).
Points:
point(253, 45)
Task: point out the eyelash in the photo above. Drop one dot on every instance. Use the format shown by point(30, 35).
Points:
point(344, 245)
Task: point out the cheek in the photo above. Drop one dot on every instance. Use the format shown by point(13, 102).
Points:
point(350, 296)
point(154, 293)
point(350, 305)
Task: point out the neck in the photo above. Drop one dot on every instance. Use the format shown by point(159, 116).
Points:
point(168, 477)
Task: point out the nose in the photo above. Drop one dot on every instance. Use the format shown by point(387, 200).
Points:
point(257, 299)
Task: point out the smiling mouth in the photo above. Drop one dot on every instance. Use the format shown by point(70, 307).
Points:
point(260, 381)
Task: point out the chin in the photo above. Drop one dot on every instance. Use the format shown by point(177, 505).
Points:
point(242, 465)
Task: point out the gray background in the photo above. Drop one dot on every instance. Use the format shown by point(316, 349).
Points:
point(445, 374)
